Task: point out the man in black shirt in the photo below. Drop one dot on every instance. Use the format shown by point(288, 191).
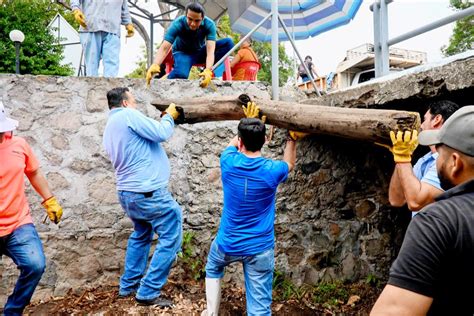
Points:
point(434, 271)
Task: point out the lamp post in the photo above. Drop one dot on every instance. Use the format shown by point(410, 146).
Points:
point(17, 37)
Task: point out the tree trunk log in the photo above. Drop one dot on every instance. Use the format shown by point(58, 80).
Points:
point(360, 124)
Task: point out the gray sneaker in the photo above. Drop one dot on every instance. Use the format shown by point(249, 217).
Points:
point(159, 301)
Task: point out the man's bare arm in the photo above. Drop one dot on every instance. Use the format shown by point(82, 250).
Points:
point(162, 52)
point(396, 196)
point(210, 49)
point(395, 301)
point(39, 183)
point(417, 193)
point(289, 155)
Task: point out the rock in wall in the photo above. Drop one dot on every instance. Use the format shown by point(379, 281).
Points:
point(332, 218)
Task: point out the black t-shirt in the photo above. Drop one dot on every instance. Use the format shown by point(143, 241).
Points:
point(437, 255)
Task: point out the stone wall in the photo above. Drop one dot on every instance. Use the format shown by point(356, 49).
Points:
point(332, 217)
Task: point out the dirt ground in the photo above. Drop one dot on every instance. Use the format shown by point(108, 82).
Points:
point(189, 299)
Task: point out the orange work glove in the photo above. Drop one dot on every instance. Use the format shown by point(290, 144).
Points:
point(171, 110)
point(294, 135)
point(130, 30)
point(80, 18)
point(253, 111)
point(152, 71)
point(206, 77)
point(403, 145)
point(53, 209)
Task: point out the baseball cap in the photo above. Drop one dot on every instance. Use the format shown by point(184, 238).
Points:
point(457, 132)
point(6, 124)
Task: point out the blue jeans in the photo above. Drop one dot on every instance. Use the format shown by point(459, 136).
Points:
point(184, 61)
point(99, 45)
point(157, 214)
point(24, 247)
point(258, 272)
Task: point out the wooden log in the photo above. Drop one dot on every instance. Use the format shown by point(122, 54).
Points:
point(361, 124)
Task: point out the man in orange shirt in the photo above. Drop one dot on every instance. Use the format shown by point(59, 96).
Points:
point(245, 53)
point(18, 237)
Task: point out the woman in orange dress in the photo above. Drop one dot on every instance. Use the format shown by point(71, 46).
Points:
point(245, 53)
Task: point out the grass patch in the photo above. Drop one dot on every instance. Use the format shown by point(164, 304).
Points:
point(325, 293)
point(192, 264)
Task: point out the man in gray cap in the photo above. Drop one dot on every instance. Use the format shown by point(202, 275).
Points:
point(435, 263)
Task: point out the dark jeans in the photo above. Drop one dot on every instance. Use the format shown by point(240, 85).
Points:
point(184, 61)
point(23, 245)
point(305, 78)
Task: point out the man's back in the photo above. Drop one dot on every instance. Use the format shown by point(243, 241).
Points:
point(132, 142)
point(249, 186)
point(437, 257)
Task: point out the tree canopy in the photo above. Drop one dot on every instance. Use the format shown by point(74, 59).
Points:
point(39, 53)
point(462, 38)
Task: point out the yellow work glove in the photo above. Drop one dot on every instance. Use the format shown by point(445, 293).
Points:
point(171, 110)
point(80, 18)
point(54, 210)
point(152, 71)
point(294, 135)
point(253, 111)
point(130, 30)
point(206, 77)
point(403, 145)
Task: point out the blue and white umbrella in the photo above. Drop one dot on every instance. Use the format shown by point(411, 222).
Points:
point(304, 18)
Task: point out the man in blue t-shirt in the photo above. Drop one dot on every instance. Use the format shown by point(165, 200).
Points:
point(246, 232)
point(133, 144)
point(193, 38)
point(418, 186)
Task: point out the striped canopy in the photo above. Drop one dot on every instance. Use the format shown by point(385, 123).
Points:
point(306, 18)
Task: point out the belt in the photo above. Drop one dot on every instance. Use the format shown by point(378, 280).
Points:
point(147, 194)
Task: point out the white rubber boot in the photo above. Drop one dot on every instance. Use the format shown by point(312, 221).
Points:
point(213, 297)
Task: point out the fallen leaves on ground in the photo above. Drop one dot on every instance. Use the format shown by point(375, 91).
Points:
point(189, 299)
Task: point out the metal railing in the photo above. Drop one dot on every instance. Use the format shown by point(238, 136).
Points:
point(381, 41)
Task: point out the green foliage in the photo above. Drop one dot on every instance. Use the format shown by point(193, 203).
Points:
point(285, 64)
point(140, 71)
point(285, 289)
point(194, 265)
point(39, 54)
point(372, 280)
point(333, 293)
point(326, 293)
point(264, 53)
point(462, 38)
point(224, 30)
